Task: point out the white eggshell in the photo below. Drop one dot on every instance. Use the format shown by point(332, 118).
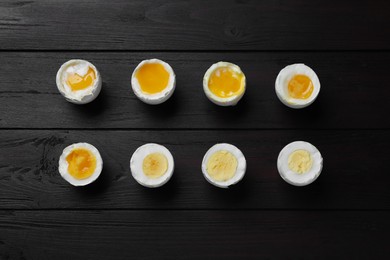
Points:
point(157, 98)
point(83, 96)
point(241, 165)
point(63, 164)
point(137, 159)
point(230, 101)
point(284, 77)
point(295, 178)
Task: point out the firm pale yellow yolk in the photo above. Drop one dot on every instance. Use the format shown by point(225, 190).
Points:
point(224, 82)
point(82, 163)
point(222, 166)
point(300, 161)
point(152, 78)
point(155, 165)
point(77, 82)
point(300, 87)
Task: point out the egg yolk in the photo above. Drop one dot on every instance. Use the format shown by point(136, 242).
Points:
point(82, 163)
point(152, 78)
point(222, 166)
point(224, 82)
point(300, 161)
point(77, 82)
point(155, 165)
point(300, 87)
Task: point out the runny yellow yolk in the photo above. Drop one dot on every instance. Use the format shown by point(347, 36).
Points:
point(77, 82)
point(300, 161)
point(152, 78)
point(224, 82)
point(300, 87)
point(155, 165)
point(82, 163)
point(222, 166)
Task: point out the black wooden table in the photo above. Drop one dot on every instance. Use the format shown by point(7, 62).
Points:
point(345, 213)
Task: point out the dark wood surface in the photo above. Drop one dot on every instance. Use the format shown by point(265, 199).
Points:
point(344, 214)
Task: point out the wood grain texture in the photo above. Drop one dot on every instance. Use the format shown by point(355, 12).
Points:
point(193, 235)
point(353, 93)
point(194, 25)
point(355, 174)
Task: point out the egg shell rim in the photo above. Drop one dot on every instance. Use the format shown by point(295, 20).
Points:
point(280, 86)
point(87, 98)
point(285, 153)
point(63, 164)
point(135, 158)
point(241, 164)
point(157, 98)
point(230, 101)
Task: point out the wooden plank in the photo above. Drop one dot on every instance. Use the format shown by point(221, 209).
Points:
point(353, 93)
point(193, 234)
point(194, 25)
point(355, 174)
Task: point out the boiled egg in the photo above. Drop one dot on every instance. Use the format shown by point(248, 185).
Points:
point(297, 86)
point(223, 165)
point(152, 165)
point(300, 163)
point(80, 164)
point(79, 81)
point(224, 83)
point(153, 81)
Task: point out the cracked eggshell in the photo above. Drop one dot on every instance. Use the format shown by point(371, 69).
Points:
point(283, 78)
point(63, 164)
point(241, 165)
point(229, 101)
point(83, 96)
point(137, 159)
point(158, 98)
point(290, 176)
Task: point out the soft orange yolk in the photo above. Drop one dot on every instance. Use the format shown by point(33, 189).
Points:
point(82, 163)
point(224, 82)
point(152, 78)
point(300, 87)
point(77, 82)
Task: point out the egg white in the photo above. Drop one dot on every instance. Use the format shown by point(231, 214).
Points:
point(63, 164)
point(241, 164)
point(136, 163)
point(297, 179)
point(229, 101)
point(284, 77)
point(80, 67)
point(158, 98)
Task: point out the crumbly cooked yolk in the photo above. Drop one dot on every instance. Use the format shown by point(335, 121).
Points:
point(77, 82)
point(300, 161)
point(300, 87)
point(222, 166)
point(82, 163)
point(152, 78)
point(155, 165)
point(224, 82)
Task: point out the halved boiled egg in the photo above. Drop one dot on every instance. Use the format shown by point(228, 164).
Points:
point(80, 164)
point(152, 165)
point(223, 165)
point(79, 81)
point(224, 83)
point(297, 86)
point(300, 163)
point(153, 81)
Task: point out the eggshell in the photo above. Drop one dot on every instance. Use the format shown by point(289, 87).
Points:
point(81, 96)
